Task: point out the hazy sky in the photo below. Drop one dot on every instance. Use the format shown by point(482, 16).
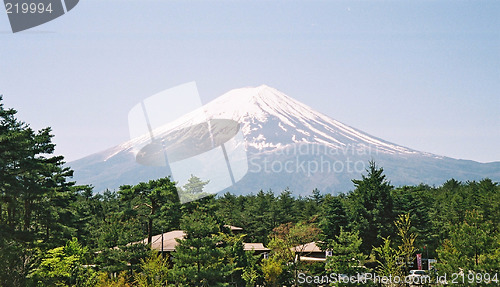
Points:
point(423, 74)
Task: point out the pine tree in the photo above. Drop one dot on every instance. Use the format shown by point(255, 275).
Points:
point(201, 258)
point(192, 190)
point(151, 198)
point(259, 216)
point(332, 217)
point(370, 207)
point(346, 255)
point(34, 196)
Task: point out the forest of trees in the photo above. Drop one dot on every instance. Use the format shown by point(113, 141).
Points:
point(56, 233)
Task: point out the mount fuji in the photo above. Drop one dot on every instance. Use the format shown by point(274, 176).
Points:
point(288, 145)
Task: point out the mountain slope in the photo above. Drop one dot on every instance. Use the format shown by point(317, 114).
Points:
point(288, 144)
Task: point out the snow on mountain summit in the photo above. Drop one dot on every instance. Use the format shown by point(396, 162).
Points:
point(270, 119)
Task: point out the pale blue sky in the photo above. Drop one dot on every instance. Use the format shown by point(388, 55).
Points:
point(423, 74)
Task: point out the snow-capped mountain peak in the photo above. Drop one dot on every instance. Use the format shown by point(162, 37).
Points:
point(270, 119)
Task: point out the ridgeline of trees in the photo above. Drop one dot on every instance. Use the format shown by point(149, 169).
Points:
point(55, 233)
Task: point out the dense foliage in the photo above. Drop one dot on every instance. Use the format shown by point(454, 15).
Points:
point(53, 233)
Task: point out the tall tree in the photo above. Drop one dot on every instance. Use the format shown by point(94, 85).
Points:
point(417, 201)
point(193, 189)
point(346, 255)
point(332, 217)
point(370, 207)
point(149, 198)
point(231, 208)
point(388, 259)
point(407, 246)
point(259, 216)
point(201, 257)
point(34, 195)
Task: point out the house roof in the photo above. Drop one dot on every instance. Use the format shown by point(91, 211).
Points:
point(169, 242)
point(310, 247)
point(254, 247)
